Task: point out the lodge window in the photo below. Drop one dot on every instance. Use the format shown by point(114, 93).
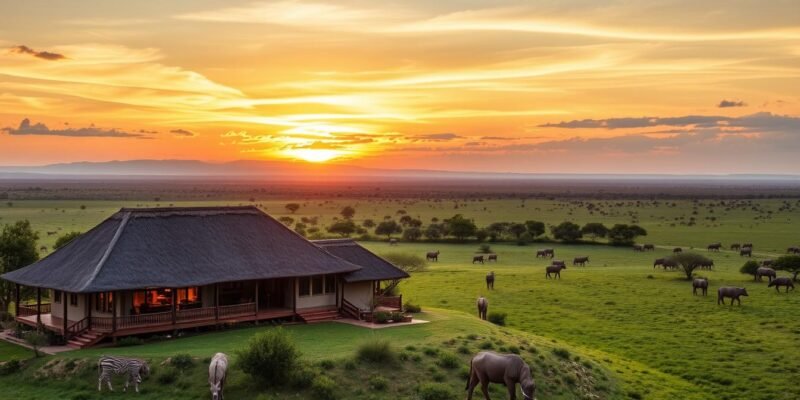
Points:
point(317, 285)
point(57, 296)
point(160, 300)
point(104, 302)
point(73, 299)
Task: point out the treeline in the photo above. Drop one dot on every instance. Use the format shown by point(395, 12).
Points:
point(461, 229)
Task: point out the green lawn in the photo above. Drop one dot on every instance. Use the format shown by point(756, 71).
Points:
point(620, 305)
point(10, 351)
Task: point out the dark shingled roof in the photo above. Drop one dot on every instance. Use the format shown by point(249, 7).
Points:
point(179, 247)
point(375, 267)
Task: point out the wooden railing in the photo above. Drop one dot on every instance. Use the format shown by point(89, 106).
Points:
point(77, 328)
point(195, 314)
point(390, 301)
point(237, 310)
point(350, 310)
point(26, 310)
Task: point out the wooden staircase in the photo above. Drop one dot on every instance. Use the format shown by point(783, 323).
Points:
point(85, 339)
point(319, 314)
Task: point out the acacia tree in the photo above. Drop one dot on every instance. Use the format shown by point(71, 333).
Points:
point(343, 228)
point(348, 212)
point(535, 228)
point(433, 232)
point(788, 263)
point(566, 231)
point(368, 223)
point(496, 230)
point(688, 262)
point(292, 207)
point(622, 234)
point(17, 249)
point(412, 234)
point(388, 228)
point(460, 227)
point(594, 230)
point(64, 239)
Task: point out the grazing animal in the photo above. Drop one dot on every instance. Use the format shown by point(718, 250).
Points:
point(541, 253)
point(782, 281)
point(659, 262)
point(700, 283)
point(733, 292)
point(392, 242)
point(677, 250)
point(767, 263)
point(217, 374)
point(649, 247)
point(490, 280)
point(793, 250)
point(507, 369)
point(670, 264)
point(746, 251)
point(714, 246)
point(580, 261)
point(554, 269)
point(768, 272)
point(432, 256)
point(557, 262)
point(492, 257)
point(638, 247)
point(51, 233)
point(707, 264)
point(133, 368)
point(736, 246)
point(477, 259)
point(750, 245)
point(483, 307)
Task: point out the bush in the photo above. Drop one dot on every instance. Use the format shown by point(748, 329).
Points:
point(36, 340)
point(269, 357)
point(381, 317)
point(497, 318)
point(182, 361)
point(10, 367)
point(485, 248)
point(750, 268)
point(167, 376)
point(448, 360)
point(378, 383)
point(563, 353)
point(407, 262)
point(324, 388)
point(396, 316)
point(435, 391)
point(412, 308)
point(129, 341)
point(376, 351)
point(302, 377)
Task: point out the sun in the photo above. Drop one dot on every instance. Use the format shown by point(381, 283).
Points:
point(315, 155)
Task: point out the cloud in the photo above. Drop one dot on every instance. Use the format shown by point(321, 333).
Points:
point(45, 55)
point(436, 137)
point(26, 128)
point(731, 103)
point(763, 121)
point(499, 138)
point(183, 132)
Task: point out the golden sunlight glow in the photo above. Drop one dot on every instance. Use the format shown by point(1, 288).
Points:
point(314, 155)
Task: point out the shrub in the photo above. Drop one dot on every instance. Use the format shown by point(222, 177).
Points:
point(562, 353)
point(167, 376)
point(396, 316)
point(485, 248)
point(378, 383)
point(129, 341)
point(376, 351)
point(381, 317)
point(435, 391)
point(36, 340)
point(497, 318)
point(750, 268)
point(412, 308)
point(10, 367)
point(327, 364)
point(302, 377)
point(182, 361)
point(407, 262)
point(324, 388)
point(269, 357)
point(448, 360)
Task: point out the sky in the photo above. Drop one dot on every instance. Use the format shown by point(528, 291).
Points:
point(577, 86)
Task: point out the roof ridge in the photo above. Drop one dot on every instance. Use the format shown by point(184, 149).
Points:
point(107, 253)
point(186, 209)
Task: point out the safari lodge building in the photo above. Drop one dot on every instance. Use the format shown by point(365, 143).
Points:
point(162, 269)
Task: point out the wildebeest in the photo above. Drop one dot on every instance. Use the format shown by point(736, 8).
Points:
point(677, 250)
point(432, 256)
point(782, 281)
point(478, 259)
point(483, 307)
point(706, 264)
point(545, 253)
point(733, 292)
point(492, 257)
point(217, 374)
point(638, 247)
point(580, 260)
point(736, 246)
point(766, 263)
point(557, 262)
point(649, 247)
point(554, 269)
point(746, 251)
point(393, 242)
point(664, 263)
point(507, 369)
point(133, 368)
point(764, 271)
point(700, 283)
point(714, 246)
point(659, 262)
point(750, 245)
point(490, 280)
point(793, 250)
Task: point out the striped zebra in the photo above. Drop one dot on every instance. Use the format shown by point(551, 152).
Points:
point(133, 368)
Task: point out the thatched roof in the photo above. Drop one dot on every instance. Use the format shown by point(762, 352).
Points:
point(375, 267)
point(179, 247)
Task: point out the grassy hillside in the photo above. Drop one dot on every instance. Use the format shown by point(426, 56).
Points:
point(620, 305)
point(434, 353)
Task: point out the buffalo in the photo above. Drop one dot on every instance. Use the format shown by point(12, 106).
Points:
point(746, 251)
point(580, 261)
point(714, 246)
point(483, 307)
point(700, 283)
point(432, 256)
point(764, 271)
point(736, 246)
point(554, 269)
point(782, 281)
point(490, 281)
point(492, 257)
point(734, 293)
point(477, 259)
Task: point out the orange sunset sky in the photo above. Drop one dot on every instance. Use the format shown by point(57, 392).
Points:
point(519, 86)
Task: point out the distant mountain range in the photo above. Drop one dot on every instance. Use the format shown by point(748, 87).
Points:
point(284, 170)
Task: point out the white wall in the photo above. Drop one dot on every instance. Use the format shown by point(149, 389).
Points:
point(359, 294)
point(74, 313)
point(320, 300)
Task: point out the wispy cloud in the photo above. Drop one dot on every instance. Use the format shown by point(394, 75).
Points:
point(731, 103)
point(45, 55)
point(26, 128)
point(764, 121)
point(436, 137)
point(183, 132)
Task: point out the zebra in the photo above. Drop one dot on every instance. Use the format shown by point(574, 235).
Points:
point(132, 367)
